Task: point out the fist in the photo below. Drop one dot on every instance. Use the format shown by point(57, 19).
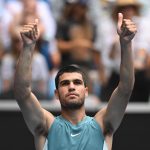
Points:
point(126, 28)
point(30, 32)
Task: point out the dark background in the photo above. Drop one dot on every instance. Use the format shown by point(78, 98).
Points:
point(133, 133)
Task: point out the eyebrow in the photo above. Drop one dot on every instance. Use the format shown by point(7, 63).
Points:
point(74, 80)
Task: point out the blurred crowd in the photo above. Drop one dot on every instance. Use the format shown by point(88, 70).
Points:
point(79, 32)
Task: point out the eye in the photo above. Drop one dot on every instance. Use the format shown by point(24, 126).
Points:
point(78, 82)
point(64, 83)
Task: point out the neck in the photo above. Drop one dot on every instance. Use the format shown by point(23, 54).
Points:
point(73, 116)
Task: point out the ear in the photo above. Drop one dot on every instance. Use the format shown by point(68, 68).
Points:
point(56, 94)
point(86, 92)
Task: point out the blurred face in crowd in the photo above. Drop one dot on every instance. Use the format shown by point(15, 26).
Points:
point(80, 11)
point(71, 90)
point(75, 11)
point(29, 6)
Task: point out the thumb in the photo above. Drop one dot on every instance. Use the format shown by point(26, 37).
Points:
point(36, 21)
point(120, 20)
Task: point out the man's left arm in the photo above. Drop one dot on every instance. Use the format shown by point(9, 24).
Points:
point(110, 117)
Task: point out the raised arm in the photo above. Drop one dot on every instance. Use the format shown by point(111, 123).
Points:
point(111, 116)
point(37, 119)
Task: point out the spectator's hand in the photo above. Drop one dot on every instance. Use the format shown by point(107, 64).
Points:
point(30, 33)
point(126, 28)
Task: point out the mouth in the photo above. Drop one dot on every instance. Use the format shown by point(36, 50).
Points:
point(72, 95)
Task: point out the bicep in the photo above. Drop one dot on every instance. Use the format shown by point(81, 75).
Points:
point(34, 115)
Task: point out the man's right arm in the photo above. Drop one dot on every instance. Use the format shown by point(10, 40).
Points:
point(37, 119)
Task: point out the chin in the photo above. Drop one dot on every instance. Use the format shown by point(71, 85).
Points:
point(73, 105)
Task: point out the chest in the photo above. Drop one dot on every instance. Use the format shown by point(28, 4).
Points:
point(66, 137)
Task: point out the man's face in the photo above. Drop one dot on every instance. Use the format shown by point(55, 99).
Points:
point(71, 90)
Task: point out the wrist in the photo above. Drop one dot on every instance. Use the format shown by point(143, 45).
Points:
point(125, 42)
point(125, 46)
point(29, 45)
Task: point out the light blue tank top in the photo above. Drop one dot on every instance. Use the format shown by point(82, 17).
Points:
point(86, 135)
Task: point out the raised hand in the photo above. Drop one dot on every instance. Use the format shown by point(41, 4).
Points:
point(126, 28)
point(30, 33)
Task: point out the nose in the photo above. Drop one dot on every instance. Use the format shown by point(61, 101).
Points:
point(71, 87)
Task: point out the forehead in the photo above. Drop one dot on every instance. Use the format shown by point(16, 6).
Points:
point(70, 76)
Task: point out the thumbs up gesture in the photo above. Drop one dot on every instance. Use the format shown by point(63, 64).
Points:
point(126, 29)
point(30, 33)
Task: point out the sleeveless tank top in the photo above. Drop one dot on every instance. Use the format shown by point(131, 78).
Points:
point(86, 135)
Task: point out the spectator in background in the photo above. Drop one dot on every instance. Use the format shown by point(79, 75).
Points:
point(93, 6)
point(39, 75)
point(42, 10)
point(75, 31)
point(8, 63)
point(131, 9)
point(26, 11)
point(5, 19)
point(95, 13)
point(75, 37)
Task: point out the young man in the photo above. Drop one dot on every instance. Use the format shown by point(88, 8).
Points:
point(73, 130)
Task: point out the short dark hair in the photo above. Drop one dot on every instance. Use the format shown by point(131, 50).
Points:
point(70, 69)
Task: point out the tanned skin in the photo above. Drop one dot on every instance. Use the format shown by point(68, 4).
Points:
point(71, 89)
